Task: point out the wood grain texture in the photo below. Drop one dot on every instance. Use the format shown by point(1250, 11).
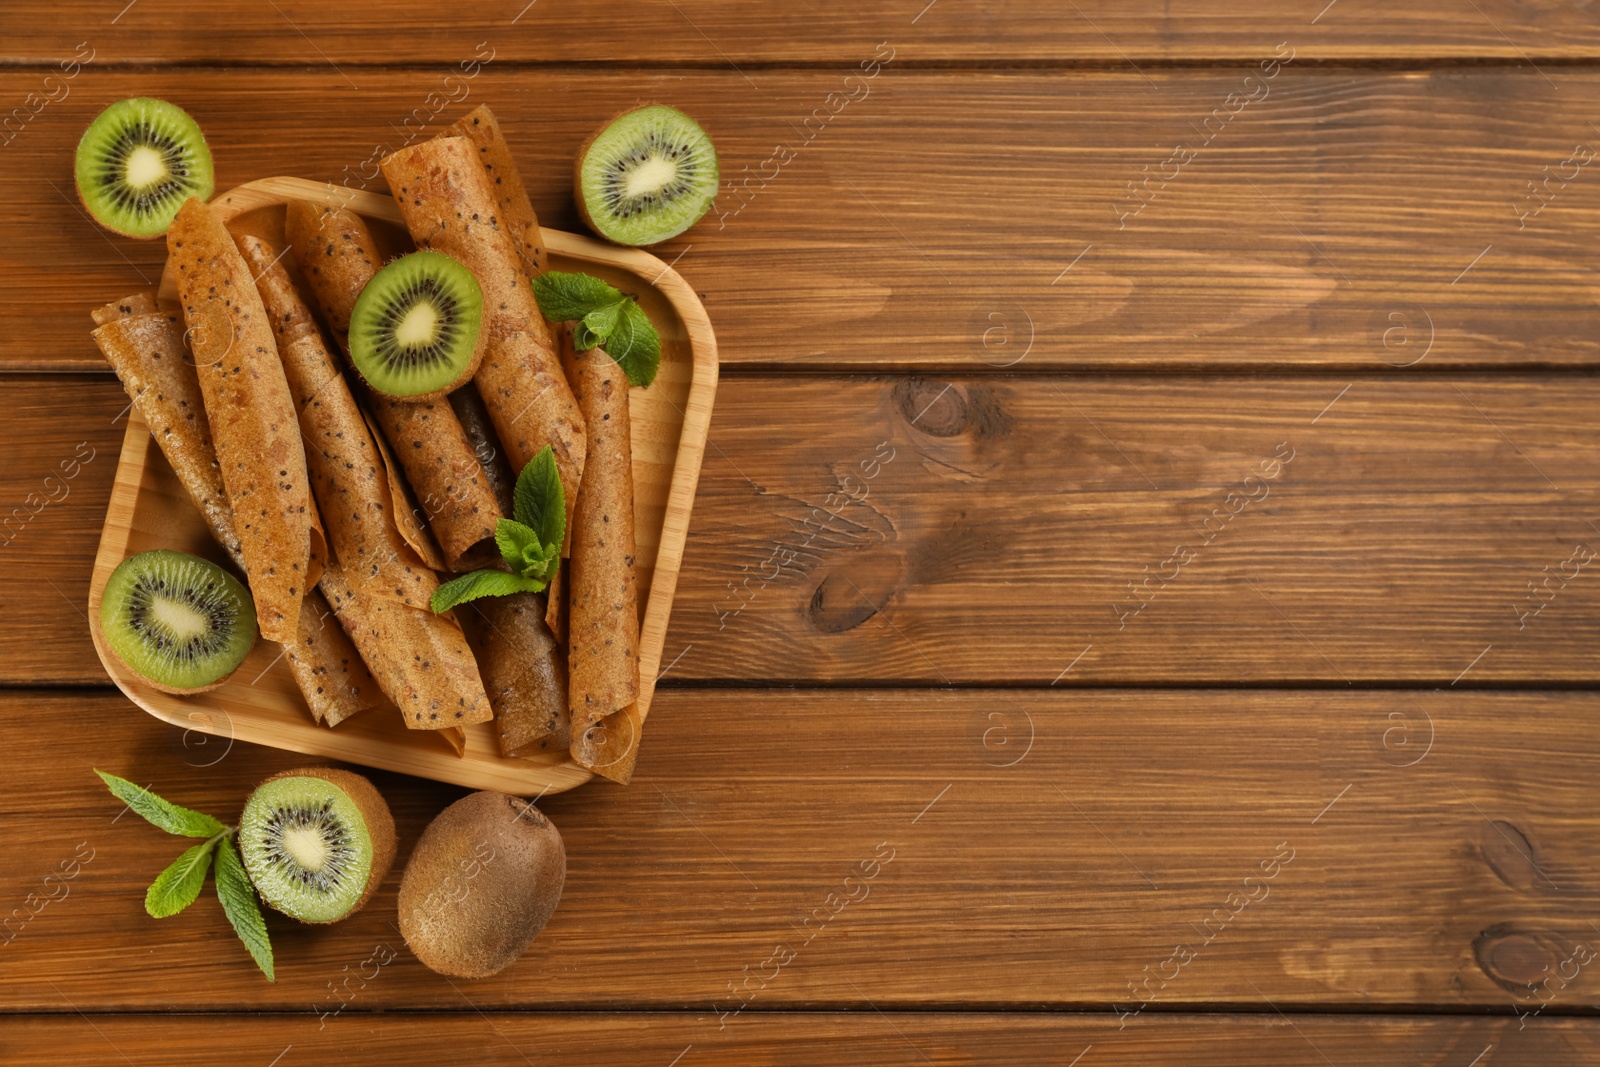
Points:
point(54, 486)
point(1033, 206)
point(1076, 531)
point(303, 33)
point(985, 221)
point(1007, 517)
point(1002, 849)
point(499, 1039)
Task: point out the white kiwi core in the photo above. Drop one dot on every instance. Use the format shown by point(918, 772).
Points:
point(145, 168)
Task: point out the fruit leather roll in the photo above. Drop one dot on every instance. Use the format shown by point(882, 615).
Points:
point(251, 415)
point(425, 672)
point(381, 593)
point(523, 668)
point(449, 205)
point(337, 256)
point(146, 349)
point(603, 628)
point(520, 223)
point(516, 211)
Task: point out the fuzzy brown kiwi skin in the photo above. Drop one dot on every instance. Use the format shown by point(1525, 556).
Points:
point(480, 885)
point(105, 646)
point(374, 811)
point(162, 236)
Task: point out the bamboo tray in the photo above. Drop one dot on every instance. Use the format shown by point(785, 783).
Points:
point(260, 702)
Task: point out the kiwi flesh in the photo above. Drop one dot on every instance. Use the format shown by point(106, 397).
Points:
point(316, 843)
point(182, 623)
point(416, 329)
point(138, 161)
point(480, 885)
point(647, 175)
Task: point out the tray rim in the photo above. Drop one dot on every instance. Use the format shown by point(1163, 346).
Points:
point(677, 507)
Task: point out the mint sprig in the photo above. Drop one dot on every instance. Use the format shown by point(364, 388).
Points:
point(475, 585)
point(539, 501)
point(179, 885)
point(164, 814)
point(604, 316)
point(530, 544)
point(240, 905)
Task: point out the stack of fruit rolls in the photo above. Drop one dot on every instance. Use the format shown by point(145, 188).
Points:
point(421, 660)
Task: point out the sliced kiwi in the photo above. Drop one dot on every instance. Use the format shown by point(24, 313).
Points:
point(415, 331)
point(647, 175)
point(138, 161)
point(182, 623)
point(316, 842)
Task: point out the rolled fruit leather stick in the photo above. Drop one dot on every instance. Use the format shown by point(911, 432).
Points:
point(520, 663)
point(523, 667)
point(250, 413)
point(517, 218)
point(420, 659)
point(603, 630)
point(516, 211)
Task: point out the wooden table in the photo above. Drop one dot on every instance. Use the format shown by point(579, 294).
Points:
point(1138, 607)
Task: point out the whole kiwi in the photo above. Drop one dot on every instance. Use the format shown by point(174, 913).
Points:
point(480, 885)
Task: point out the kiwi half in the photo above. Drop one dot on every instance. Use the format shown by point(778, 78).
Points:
point(181, 623)
point(316, 843)
point(647, 175)
point(416, 328)
point(138, 161)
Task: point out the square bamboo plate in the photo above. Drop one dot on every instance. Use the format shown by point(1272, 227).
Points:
point(260, 702)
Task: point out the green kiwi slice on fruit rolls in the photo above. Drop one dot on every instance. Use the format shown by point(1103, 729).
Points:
point(415, 331)
point(138, 161)
point(181, 623)
point(316, 843)
point(648, 175)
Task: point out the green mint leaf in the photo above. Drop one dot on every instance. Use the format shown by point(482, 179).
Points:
point(584, 338)
point(177, 887)
point(168, 816)
point(602, 321)
point(635, 345)
point(239, 903)
point(515, 541)
point(539, 501)
point(566, 297)
point(481, 584)
point(540, 561)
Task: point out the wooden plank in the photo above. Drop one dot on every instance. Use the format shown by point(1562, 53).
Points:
point(620, 1040)
point(1008, 516)
point(1127, 530)
point(1003, 849)
point(65, 435)
point(724, 33)
point(1018, 220)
